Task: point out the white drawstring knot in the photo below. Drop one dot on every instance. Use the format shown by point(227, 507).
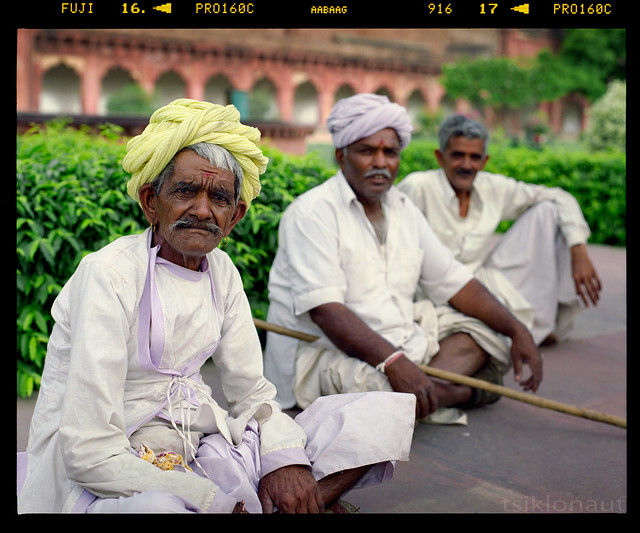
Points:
point(179, 385)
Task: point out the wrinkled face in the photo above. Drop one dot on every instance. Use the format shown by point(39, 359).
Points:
point(194, 209)
point(370, 165)
point(461, 161)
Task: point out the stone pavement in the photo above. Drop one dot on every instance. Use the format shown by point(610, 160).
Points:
point(513, 457)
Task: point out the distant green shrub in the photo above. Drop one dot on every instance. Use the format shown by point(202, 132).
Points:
point(71, 200)
point(608, 119)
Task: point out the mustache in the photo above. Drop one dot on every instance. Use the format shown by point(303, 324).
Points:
point(377, 172)
point(188, 223)
point(464, 172)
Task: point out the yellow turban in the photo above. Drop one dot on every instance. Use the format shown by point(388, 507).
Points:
point(184, 122)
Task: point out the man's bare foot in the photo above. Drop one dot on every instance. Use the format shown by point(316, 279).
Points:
point(451, 394)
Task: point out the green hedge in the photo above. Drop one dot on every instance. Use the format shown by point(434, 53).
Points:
point(71, 200)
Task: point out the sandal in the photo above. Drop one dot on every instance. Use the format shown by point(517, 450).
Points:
point(479, 397)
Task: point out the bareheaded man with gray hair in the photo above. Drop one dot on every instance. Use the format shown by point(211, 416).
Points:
point(540, 268)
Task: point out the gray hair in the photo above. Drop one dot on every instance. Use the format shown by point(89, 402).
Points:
point(461, 126)
point(216, 155)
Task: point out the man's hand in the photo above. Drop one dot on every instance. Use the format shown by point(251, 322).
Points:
point(290, 489)
point(476, 301)
point(584, 275)
point(240, 508)
point(525, 351)
point(405, 376)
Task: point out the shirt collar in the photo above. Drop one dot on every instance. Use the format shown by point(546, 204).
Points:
point(450, 194)
point(346, 192)
point(186, 273)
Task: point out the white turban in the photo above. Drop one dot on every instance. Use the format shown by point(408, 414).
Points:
point(184, 122)
point(362, 115)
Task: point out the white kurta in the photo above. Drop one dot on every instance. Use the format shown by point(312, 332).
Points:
point(97, 388)
point(329, 252)
point(495, 198)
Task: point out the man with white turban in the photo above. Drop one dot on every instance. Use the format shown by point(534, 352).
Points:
point(352, 253)
point(124, 421)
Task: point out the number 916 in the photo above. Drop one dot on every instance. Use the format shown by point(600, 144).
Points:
point(439, 9)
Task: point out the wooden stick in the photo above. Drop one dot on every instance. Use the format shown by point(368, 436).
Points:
point(476, 383)
point(268, 326)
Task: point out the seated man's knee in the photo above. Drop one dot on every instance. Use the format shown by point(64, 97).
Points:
point(545, 209)
point(460, 353)
point(462, 344)
point(536, 225)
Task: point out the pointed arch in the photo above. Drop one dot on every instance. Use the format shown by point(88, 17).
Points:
point(60, 91)
point(263, 101)
point(218, 90)
point(168, 87)
point(115, 79)
point(305, 106)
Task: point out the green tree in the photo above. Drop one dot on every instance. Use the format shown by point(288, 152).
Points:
point(586, 62)
point(498, 83)
point(588, 59)
point(608, 119)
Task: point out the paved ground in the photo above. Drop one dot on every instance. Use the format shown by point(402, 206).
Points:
point(513, 457)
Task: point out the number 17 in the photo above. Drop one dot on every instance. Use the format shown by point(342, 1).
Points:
point(492, 8)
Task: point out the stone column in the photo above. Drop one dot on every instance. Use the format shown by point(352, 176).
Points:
point(285, 99)
point(91, 79)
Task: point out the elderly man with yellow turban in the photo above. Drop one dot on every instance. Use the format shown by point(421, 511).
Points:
point(352, 254)
point(124, 421)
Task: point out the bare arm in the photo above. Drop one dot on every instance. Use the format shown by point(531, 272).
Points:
point(355, 338)
point(350, 334)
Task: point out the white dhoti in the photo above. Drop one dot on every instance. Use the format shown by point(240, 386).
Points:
point(343, 432)
point(530, 272)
